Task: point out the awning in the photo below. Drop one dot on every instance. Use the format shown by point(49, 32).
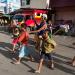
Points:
point(30, 23)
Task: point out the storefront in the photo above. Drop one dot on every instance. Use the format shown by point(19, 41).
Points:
point(64, 9)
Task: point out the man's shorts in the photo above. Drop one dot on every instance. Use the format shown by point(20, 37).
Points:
point(46, 56)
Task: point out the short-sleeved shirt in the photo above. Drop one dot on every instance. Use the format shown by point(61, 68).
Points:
point(24, 38)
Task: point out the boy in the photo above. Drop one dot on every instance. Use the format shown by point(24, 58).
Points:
point(47, 47)
point(23, 39)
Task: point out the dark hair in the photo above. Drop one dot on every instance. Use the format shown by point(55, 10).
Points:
point(23, 25)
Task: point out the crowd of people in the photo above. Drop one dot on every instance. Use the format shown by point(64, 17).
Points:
point(45, 43)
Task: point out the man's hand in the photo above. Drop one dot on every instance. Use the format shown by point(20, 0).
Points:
point(33, 31)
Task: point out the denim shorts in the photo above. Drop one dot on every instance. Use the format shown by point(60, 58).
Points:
point(24, 51)
point(46, 56)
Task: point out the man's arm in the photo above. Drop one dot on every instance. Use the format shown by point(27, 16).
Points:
point(44, 27)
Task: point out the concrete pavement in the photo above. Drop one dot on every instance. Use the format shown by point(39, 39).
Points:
point(64, 52)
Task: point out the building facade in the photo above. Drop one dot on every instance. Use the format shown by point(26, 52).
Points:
point(2, 6)
point(38, 4)
point(9, 5)
point(64, 9)
point(13, 5)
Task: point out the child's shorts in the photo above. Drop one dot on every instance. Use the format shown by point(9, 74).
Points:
point(24, 51)
point(46, 56)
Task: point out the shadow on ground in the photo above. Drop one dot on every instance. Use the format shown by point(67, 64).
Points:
point(59, 59)
point(67, 46)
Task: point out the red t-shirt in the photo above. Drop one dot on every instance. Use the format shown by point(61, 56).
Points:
point(24, 38)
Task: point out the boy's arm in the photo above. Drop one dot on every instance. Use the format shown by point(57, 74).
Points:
point(21, 37)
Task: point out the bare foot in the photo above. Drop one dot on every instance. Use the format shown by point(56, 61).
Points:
point(16, 62)
point(69, 62)
point(32, 59)
point(73, 64)
point(37, 71)
point(52, 66)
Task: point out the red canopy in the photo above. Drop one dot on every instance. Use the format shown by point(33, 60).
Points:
point(30, 23)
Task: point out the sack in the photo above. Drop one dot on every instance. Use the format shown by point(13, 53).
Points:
point(53, 43)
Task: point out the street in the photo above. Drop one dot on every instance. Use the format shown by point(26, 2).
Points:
point(64, 51)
